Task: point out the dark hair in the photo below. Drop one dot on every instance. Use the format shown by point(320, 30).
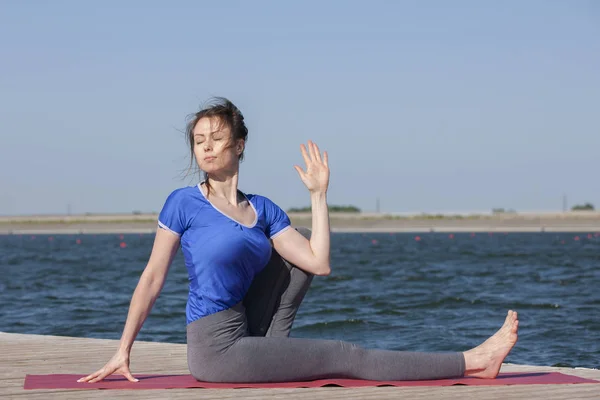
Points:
point(228, 115)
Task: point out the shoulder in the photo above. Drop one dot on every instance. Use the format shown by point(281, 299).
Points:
point(184, 196)
point(183, 193)
point(180, 209)
point(255, 198)
point(267, 207)
point(261, 201)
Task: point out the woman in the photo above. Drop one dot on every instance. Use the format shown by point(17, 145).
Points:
point(243, 296)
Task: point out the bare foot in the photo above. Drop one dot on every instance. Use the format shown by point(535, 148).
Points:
point(485, 360)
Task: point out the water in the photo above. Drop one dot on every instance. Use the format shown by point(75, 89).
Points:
point(386, 290)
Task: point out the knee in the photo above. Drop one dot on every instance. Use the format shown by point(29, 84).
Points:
point(205, 366)
point(300, 282)
point(204, 371)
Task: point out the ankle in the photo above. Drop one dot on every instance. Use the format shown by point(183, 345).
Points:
point(473, 362)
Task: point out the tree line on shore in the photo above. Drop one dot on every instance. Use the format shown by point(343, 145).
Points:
point(353, 209)
point(332, 208)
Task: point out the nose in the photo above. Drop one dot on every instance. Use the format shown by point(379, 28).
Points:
point(208, 145)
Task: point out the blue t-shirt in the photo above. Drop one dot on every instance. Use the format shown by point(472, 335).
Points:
point(222, 255)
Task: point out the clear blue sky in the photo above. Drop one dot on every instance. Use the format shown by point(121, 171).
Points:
point(428, 105)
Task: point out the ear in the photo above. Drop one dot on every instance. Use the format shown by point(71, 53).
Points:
point(239, 148)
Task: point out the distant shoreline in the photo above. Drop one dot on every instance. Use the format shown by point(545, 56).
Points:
point(340, 222)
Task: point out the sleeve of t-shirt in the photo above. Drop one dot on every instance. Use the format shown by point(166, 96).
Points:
point(172, 216)
point(277, 220)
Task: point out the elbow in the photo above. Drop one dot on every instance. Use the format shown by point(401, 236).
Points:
point(323, 270)
point(151, 282)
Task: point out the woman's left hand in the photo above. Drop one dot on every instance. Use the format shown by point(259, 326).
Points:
point(316, 177)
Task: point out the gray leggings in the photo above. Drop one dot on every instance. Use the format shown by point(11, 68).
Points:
point(249, 342)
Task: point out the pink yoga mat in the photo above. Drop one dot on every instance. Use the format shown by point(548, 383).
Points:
point(63, 381)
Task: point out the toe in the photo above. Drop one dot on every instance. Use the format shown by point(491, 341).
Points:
point(512, 316)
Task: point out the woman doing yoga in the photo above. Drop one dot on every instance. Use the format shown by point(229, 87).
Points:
point(249, 271)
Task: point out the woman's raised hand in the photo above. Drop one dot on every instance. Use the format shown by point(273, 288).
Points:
point(119, 364)
point(316, 176)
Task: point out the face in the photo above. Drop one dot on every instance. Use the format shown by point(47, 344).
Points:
point(214, 148)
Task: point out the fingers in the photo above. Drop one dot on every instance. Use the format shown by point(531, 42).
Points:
point(299, 170)
point(326, 159)
point(98, 378)
point(304, 154)
point(316, 151)
point(90, 376)
point(101, 374)
point(127, 374)
point(312, 153)
point(311, 150)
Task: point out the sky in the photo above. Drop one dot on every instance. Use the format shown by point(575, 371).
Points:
point(428, 106)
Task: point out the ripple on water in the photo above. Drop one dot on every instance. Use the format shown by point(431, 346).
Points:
point(438, 294)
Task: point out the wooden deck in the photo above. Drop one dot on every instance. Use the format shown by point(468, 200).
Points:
point(36, 354)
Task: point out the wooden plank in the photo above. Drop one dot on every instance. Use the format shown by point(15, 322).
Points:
point(22, 354)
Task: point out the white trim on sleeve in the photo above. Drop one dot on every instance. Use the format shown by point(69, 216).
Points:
point(273, 236)
point(160, 224)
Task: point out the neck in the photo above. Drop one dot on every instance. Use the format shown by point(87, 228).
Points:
point(224, 187)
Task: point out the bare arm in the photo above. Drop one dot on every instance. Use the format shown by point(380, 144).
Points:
point(149, 286)
point(146, 292)
point(312, 256)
